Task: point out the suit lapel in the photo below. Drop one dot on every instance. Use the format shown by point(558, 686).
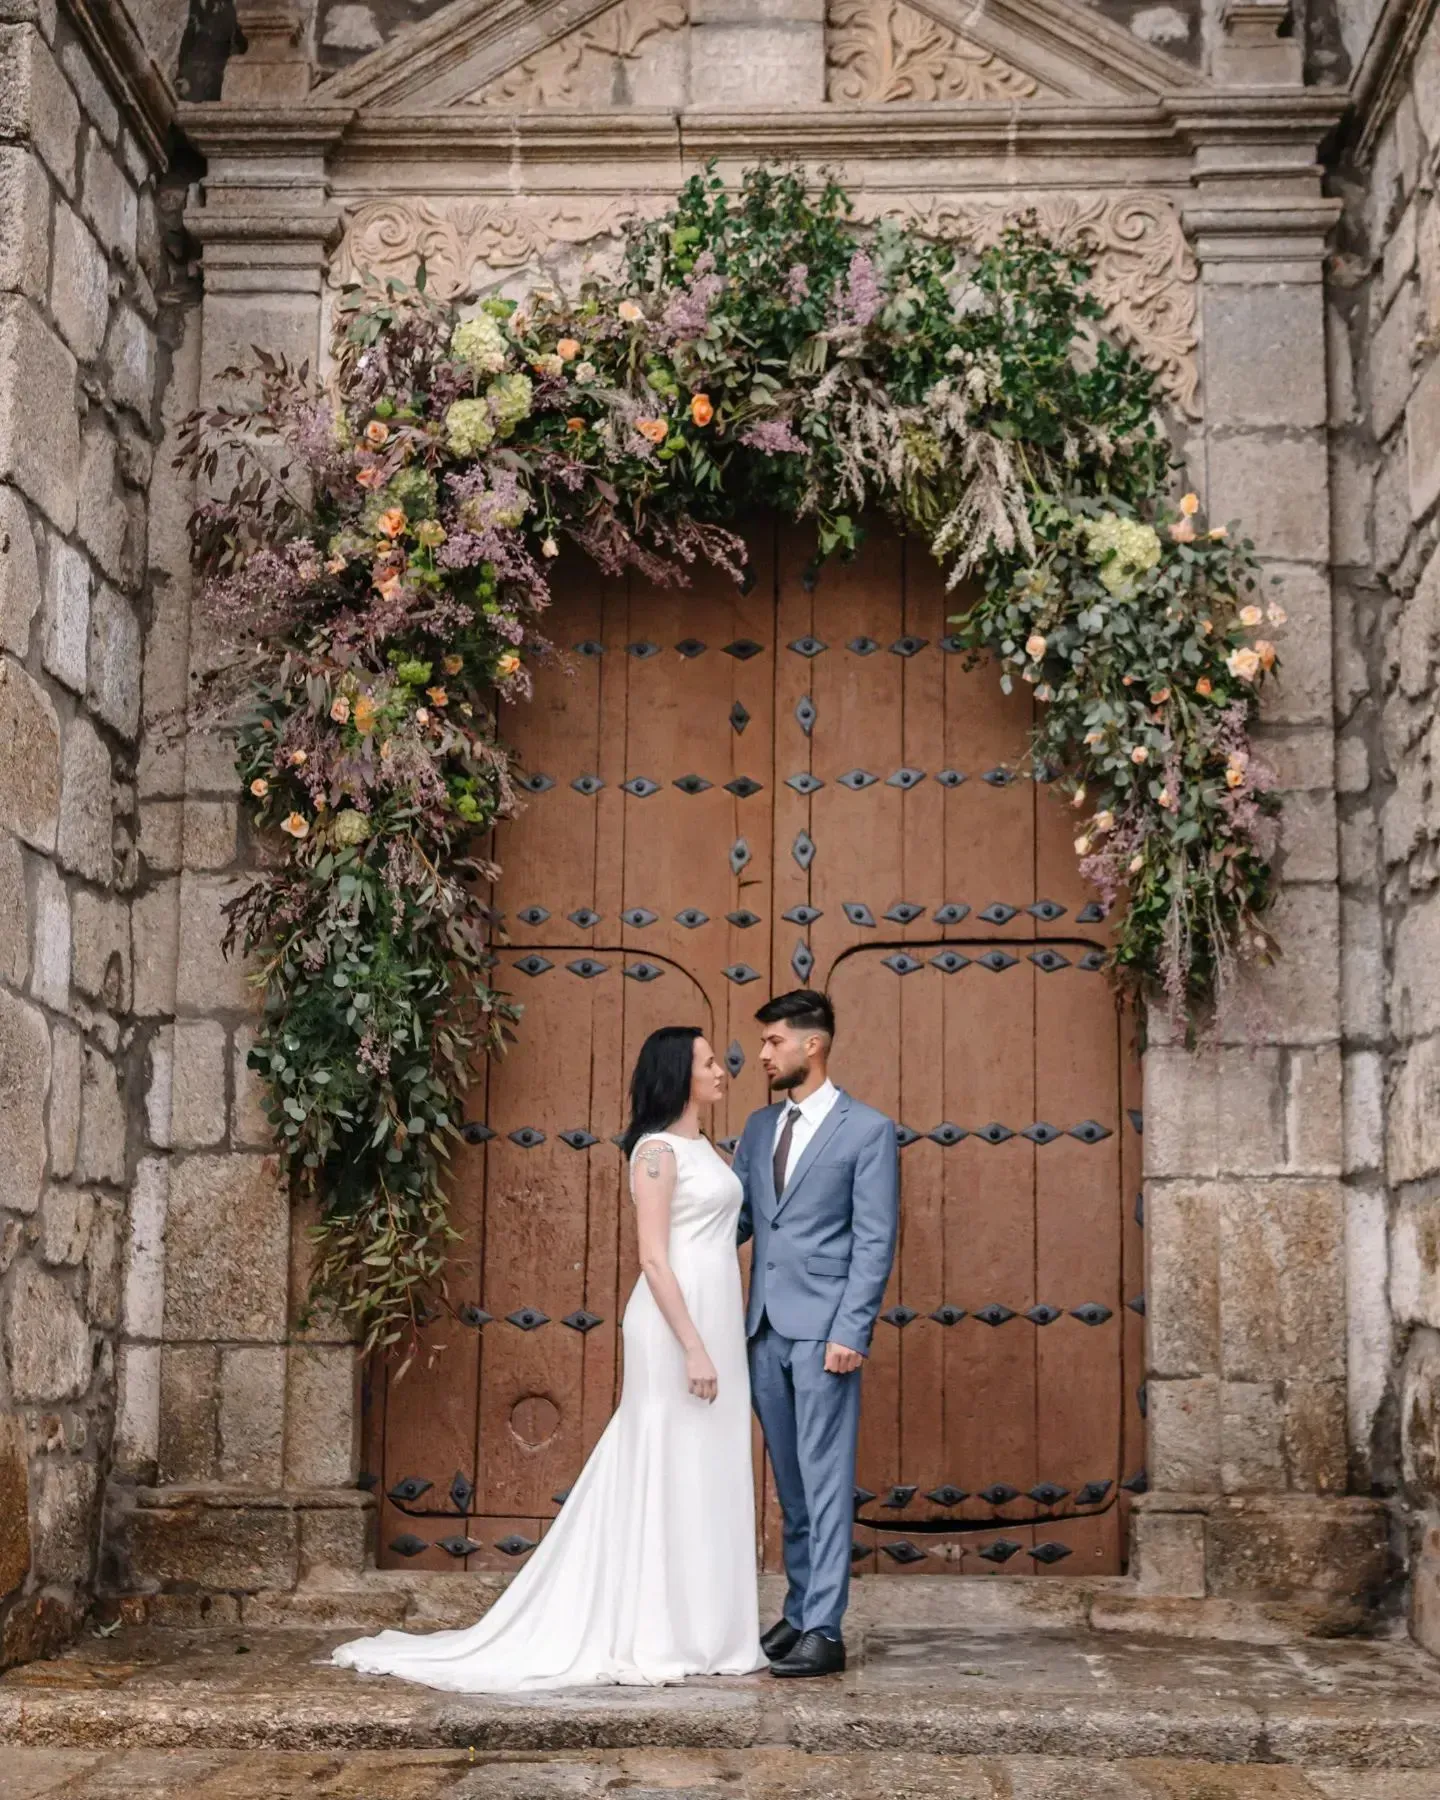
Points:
point(829, 1125)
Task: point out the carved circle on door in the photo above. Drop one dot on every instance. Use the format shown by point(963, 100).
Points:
point(534, 1420)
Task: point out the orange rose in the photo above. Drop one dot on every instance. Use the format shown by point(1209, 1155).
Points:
point(259, 787)
point(452, 665)
point(701, 411)
point(371, 478)
point(299, 758)
point(656, 430)
point(1204, 687)
point(1160, 698)
point(437, 696)
point(388, 585)
point(340, 710)
point(376, 433)
point(297, 825)
point(392, 521)
point(336, 565)
point(569, 348)
point(1265, 650)
point(365, 712)
point(576, 424)
point(507, 664)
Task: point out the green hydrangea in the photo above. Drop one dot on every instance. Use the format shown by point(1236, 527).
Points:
point(509, 397)
point(469, 427)
point(1125, 547)
point(412, 489)
point(350, 828)
point(481, 343)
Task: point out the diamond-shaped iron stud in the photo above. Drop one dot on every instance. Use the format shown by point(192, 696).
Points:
point(900, 1497)
point(804, 782)
point(462, 1491)
point(743, 649)
point(807, 646)
point(742, 787)
point(578, 1138)
point(643, 971)
point(998, 913)
point(946, 1495)
point(1137, 1305)
point(533, 964)
point(739, 855)
point(744, 918)
point(409, 1489)
point(1091, 1313)
point(536, 783)
point(1046, 1493)
point(590, 647)
point(690, 647)
point(953, 645)
point(532, 915)
point(1089, 1131)
point(1093, 1493)
point(407, 1544)
point(641, 786)
point(528, 1318)
point(1000, 1551)
point(904, 1136)
point(586, 967)
point(805, 714)
point(691, 918)
point(582, 1321)
point(863, 646)
point(1043, 1315)
point(949, 962)
point(908, 646)
point(802, 914)
point(1041, 1133)
point(1138, 1483)
point(514, 1544)
point(905, 779)
point(1050, 1553)
point(803, 849)
point(1092, 962)
point(457, 1545)
point(901, 963)
point(947, 1134)
point(904, 912)
point(734, 1059)
point(857, 912)
point(739, 718)
point(996, 960)
point(476, 1133)
point(692, 784)
point(642, 652)
point(950, 778)
point(995, 1132)
point(475, 1316)
point(1048, 910)
point(948, 1315)
point(527, 1137)
point(904, 1552)
point(584, 917)
point(1092, 913)
point(1049, 960)
point(639, 917)
point(999, 1493)
point(587, 785)
point(740, 974)
point(900, 1316)
point(951, 913)
point(857, 779)
point(802, 960)
point(994, 1314)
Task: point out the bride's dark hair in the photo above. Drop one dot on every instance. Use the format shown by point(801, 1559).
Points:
point(660, 1084)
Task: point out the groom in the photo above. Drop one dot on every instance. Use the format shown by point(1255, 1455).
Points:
point(821, 1176)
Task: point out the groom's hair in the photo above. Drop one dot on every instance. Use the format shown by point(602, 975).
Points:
point(802, 1008)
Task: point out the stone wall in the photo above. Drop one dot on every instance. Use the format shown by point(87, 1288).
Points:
point(79, 259)
point(1385, 450)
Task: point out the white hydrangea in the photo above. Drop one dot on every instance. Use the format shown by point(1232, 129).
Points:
point(1127, 547)
point(481, 343)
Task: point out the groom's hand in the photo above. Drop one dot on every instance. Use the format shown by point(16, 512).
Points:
point(841, 1360)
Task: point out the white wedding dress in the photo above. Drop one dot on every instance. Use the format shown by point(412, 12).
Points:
point(648, 1573)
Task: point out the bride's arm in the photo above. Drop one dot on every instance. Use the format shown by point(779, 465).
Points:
point(652, 1182)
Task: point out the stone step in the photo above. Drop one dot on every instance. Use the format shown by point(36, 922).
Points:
point(934, 1690)
point(426, 1600)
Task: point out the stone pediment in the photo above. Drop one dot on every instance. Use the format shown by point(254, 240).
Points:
point(595, 56)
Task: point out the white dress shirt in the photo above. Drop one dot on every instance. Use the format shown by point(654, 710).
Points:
point(813, 1109)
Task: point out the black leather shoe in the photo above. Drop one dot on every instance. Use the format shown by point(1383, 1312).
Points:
point(779, 1640)
point(814, 1654)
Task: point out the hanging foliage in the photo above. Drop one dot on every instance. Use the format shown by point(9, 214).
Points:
point(381, 564)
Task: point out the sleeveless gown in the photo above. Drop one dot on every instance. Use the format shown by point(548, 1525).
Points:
point(648, 1573)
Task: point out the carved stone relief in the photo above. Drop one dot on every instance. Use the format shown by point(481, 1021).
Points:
point(599, 65)
point(886, 50)
point(1143, 267)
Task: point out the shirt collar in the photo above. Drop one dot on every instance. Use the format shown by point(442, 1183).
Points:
point(814, 1107)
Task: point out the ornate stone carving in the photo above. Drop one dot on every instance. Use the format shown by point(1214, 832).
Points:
point(1143, 267)
point(467, 244)
point(586, 67)
point(886, 50)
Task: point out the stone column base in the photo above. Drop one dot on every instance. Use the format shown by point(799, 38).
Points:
point(1310, 1548)
point(233, 1540)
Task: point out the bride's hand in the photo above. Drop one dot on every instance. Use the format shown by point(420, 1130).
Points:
point(700, 1373)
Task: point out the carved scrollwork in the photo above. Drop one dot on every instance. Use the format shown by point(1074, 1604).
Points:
point(466, 245)
point(580, 68)
point(886, 50)
point(1143, 268)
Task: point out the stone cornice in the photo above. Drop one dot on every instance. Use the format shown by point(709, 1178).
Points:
point(135, 79)
point(1385, 67)
point(1171, 128)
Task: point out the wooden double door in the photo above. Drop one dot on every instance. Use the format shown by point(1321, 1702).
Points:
point(730, 795)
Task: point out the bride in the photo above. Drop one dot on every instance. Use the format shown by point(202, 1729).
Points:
point(648, 1574)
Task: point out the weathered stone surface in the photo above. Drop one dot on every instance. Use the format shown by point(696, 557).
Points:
point(210, 831)
point(335, 1539)
point(100, 948)
point(102, 1121)
point(249, 1128)
point(1252, 1423)
point(197, 1106)
point(1169, 1553)
point(1184, 1419)
point(189, 1413)
point(1423, 441)
point(114, 678)
point(130, 352)
point(50, 965)
point(1392, 351)
point(14, 1503)
point(144, 1289)
point(100, 516)
point(39, 433)
point(109, 202)
point(1282, 1280)
point(1298, 997)
point(35, 97)
point(29, 758)
point(225, 1248)
point(85, 837)
point(1263, 360)
point(137, 1410)
point(155, 929)
point(79, 285)
point(321, 1416)
point(1182, 1286)
point(1368, 1324)
point(252, 1415)
point(38, 1627)
point(1412, 1126)
point(1254, 479)
point(207, 979)
point(65, 1507)
point(47, 1343)
point(19, 574)
point(14, 913)
point(1316, 1451)
point(66, 642)
point(65, 1218)
point(240, 1548)
point(102, 1262)
point(24, 223)
point(24, 1085)
point(1274, 1546)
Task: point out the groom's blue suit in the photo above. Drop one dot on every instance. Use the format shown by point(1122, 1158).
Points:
point(823, 1251)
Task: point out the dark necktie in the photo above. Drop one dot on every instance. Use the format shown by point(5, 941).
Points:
point(782, 1149)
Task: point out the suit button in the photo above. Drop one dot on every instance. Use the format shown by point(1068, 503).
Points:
point(769, 1265)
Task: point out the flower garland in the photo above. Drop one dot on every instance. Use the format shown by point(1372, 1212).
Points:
point(381, 565)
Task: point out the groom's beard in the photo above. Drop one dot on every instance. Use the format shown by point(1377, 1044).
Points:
point(784, 1084)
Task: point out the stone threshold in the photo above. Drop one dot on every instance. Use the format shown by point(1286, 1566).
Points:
point(982, 1690)
point(374, 1599)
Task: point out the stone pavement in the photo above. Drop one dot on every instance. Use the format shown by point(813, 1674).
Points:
point(975, 1712)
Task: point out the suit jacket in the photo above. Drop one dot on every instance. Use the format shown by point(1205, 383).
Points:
point(823, 1248)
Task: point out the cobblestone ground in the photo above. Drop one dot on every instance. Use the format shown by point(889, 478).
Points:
point(670, 1775)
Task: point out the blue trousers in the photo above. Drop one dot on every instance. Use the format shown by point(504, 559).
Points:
point(811, 1421)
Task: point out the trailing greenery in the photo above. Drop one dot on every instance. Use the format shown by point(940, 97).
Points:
point(381, 564)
